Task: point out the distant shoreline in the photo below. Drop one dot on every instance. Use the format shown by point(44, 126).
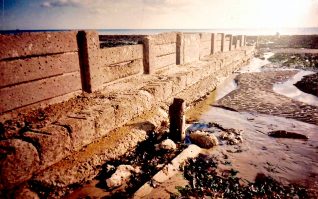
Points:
point(238, 31)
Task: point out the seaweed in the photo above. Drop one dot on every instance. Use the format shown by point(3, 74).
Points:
point(204, 180)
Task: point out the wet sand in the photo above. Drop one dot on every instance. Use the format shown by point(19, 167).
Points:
point(258, 110)
point(255, 94)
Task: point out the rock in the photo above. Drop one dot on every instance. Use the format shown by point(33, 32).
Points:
point(19, 160)
point(121, 176)
point(204, 139)
point(309, 84)
point(239, 138)
point(167, 145)
point(286, 134)
point(226, 136)
point(25, 193)
point(231, 138)
point(110, 167)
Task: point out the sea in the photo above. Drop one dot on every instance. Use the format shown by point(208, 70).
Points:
point(236, 31)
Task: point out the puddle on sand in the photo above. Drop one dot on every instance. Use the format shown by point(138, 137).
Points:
point(289, 90)
point(256, 64)
point(228, 85)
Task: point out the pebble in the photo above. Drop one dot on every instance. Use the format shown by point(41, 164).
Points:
point(204, 139)
point(167, 145)
point(121, 176)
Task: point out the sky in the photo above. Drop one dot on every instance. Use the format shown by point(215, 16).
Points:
point(157, 14)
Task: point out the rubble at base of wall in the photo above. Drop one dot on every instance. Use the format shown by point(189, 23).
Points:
point(47, 144)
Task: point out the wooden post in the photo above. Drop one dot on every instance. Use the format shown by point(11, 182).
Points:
point(177, 119)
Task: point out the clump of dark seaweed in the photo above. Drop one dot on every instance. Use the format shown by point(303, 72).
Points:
point(204, 180)
point(147, 158)
point(301, 61)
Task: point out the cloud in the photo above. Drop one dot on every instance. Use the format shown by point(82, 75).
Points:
point(106, 3)
point(62, 3)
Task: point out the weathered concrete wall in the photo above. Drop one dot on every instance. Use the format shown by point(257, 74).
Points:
point(35, 67)
point(28, 155)
point(45, 67)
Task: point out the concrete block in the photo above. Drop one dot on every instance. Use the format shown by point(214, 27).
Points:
point(109, 56)
point(104, 117)
point(191, 47)
point(196, 75)
point(23, 70)
point(179, 82)
point(165, 38)
point(168, 171)
point(16, 152)
point(55, 143)
point(205, 48)
point(205, 37)
point(129, 106)
point(81, 129)
point(238, 44)
point(155, 45)
point(165, 60)
point(165, 49)
point(155, 89)
point(33, 44)
point(219, 36)
point(118, 71)
point(166, 87)
point(219, 47)
point(28, 93)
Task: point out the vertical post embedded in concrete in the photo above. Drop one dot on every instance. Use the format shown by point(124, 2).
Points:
point(231, 41)
point(88, 43)
point(223, 42)
point(213, 43)
point(177, 119)
point(149, 55)
point(241, 37)
point(237, 42)
point(180, 49)
point(244, 40)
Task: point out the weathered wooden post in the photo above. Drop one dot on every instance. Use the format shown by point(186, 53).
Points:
point(177, 119)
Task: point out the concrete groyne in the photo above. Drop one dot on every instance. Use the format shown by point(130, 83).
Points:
point(50, 67)
point(94, 90)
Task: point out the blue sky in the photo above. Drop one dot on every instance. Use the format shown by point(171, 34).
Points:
point(100, 14)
